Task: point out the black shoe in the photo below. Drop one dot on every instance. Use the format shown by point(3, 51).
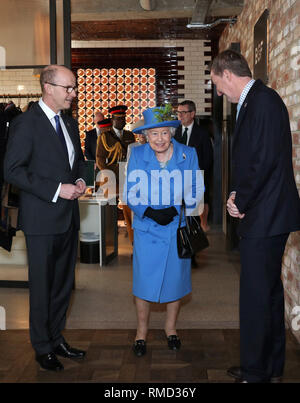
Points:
point(276, 379)
point(49, 362)
point(139, 348)
point(236, 373)
point(64, 350)
point(174, 342)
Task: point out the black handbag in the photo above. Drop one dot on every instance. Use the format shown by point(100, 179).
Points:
point(191, 238)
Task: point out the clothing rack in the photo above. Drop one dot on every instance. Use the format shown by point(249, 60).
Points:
point(17, 96)
point(6, 98)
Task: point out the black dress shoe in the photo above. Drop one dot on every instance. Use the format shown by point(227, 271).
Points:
point(276, 379)
point(64, 350)
point(236, 373)
point(139, 348)
point(49, 362)
point(174, 342)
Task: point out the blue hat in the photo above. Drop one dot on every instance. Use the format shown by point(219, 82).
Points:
point(157, 117)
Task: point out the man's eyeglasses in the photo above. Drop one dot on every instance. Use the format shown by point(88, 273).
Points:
point(183, 112)
point(67, 88)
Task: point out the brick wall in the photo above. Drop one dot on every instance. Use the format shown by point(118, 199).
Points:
point(284, 77)
point(19, 81)
point(196, 54)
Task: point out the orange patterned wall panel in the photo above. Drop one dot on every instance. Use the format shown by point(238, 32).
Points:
point(101, 89)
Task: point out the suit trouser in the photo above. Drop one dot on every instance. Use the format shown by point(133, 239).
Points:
point(262, 328)
point(52, 260)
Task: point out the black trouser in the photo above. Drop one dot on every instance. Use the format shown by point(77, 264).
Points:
point(51, 260)
point(262, 327)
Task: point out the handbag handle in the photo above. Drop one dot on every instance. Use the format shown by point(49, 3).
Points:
point(182, 211)
point(188, 219)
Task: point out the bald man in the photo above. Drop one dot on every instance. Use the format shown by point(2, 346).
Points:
point(45, 161)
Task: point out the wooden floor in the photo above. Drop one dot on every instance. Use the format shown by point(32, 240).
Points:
point(204, 358)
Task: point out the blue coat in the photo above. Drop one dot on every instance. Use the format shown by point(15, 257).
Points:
point(158, 274)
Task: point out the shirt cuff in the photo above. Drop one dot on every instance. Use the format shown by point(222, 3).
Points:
point(54, 200)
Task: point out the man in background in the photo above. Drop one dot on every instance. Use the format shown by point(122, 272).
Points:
point(191, 134)
point(112, 149)
point(91, 137)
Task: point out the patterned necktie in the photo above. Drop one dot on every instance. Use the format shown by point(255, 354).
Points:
point(184, 136)
point(60, 134)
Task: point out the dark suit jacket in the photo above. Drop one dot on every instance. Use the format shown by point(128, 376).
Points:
point(90, 144)
point(36, 163)
point(200, 140)
point(263, 176)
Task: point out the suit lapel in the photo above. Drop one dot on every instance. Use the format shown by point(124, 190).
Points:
point(193, 135)
point(50, 133)
point(241, 115)
point(73, 136)
point(244, 107)
point(45, 122)
point(70, 130)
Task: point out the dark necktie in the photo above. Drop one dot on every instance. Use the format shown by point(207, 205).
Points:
point(184, 136)
point(60, 134)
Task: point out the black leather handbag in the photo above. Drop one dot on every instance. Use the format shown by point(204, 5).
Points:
point(191, 238)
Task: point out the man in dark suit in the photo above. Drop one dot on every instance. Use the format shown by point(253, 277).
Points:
point(191, 134)
point(45, 161)
point(266, 201)
point(91, 137)
point(112, 149)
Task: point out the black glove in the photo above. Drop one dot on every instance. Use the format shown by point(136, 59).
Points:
point(161, 216)
point(170, 211)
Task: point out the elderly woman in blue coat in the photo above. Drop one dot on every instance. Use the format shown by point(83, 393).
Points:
point(160, 174)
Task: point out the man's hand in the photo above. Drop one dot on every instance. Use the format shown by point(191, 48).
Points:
point(81, 187)
point(232, 208)
point(70, 192)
